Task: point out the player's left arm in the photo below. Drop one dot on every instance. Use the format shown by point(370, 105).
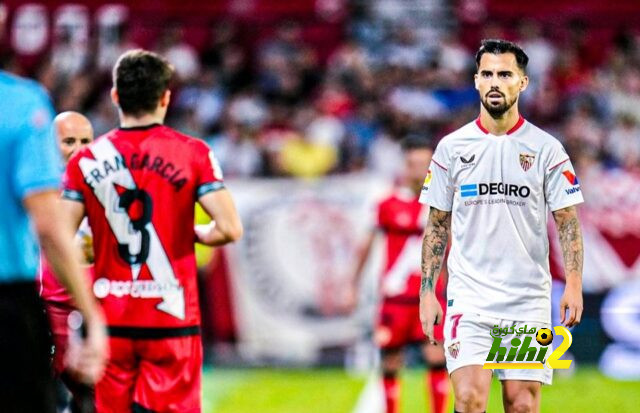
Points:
point(225, 226)
point(572, 251)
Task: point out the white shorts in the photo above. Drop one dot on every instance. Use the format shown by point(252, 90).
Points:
point(468, 340)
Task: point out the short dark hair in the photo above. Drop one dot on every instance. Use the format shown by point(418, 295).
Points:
point(415, 141)
point(140, 78)
point(499, 46)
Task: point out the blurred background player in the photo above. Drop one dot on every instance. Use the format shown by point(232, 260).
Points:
point(138, 186)
point(500, 279)
point(400, 219)
point(73, 131)
point(29, 185)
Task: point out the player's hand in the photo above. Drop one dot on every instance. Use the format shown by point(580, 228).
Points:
point(571, 303)
point(430, 314)
point(203, 232)
point(86, 358)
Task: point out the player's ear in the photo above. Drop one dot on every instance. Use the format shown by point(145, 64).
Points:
point(524, 82)
point(114, 96)
point(165, 99)
point(475, 81)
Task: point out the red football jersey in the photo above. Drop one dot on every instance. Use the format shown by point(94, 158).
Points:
point(402, 219)
point(139, 187)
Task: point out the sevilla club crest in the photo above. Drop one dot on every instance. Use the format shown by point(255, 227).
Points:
point(526, 161)
point(454, 349)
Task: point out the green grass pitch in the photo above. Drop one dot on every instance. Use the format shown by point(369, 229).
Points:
point(335, 391)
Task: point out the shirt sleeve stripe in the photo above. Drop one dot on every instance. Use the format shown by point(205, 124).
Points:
point(40, 186)
point(436, 162)
point(555, 166)
point(72, 195)
point(209, 187)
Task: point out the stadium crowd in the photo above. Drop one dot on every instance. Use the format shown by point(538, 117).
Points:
point(279, 109)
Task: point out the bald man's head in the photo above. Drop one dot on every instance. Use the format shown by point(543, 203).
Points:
point(73, 131)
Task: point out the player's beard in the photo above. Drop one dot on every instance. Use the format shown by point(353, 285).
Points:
point(496, 111)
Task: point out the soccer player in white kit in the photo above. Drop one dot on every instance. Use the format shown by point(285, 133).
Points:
point(492, 183)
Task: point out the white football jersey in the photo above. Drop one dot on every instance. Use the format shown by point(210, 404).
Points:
point(499, 190)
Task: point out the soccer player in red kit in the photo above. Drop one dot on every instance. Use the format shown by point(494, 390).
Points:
point(401, 219)
point(138, 186)
point(73, 131)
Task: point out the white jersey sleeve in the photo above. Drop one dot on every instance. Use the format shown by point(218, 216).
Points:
point(561, 186)
point(438, 188)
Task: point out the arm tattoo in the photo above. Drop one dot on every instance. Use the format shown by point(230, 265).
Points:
point(570, 240)
point(434, 245)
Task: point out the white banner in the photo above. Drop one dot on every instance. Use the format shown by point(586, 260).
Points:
point(289, 272)
point(610, 218)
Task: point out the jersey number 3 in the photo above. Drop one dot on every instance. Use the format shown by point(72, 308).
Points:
point(139, 206)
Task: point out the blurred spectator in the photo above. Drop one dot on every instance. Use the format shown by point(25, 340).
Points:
point(113, 41)
point(385, 156)
point(304, 157)
point(625, 98)
point(326, 129)
point(249, 109)
point(453, 56)
point(75, 92)
point(349, 64)
point(222, 35)
point(404, 49)
point(205, 99)
point(68, 58)
point(179, 53)
point(582, 128)
point(104, 115)
point(541, 52)
point(237, 151)
point(624, 142)
point(362, 128)
point(4, 13)
point(288, 67)
point(271, 107)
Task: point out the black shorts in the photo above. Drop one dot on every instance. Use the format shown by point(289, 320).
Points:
point(26, 380)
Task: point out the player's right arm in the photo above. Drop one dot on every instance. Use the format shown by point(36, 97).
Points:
point(362, 257)
point(225, 226)
point(434, 245)
point(56, 240)
point(437, 192)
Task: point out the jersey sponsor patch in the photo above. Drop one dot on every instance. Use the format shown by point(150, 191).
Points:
point(494, 188)
point(427, 180)
point(468, 161)
point(573, 180)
